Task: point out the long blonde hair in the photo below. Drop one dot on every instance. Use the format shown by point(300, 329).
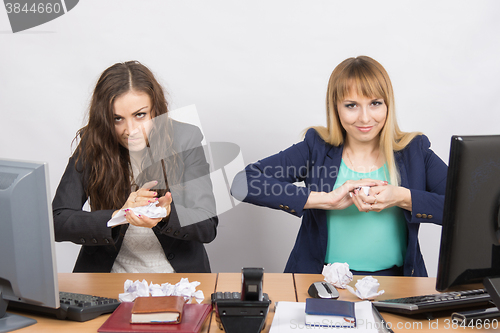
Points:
point(369, 79)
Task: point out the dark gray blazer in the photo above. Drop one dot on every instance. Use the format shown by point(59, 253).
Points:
point(192, 221)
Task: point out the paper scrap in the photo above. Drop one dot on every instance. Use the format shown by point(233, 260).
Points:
point(152, 211)
point(365, 189)
point(337, 274)
point(366, 288)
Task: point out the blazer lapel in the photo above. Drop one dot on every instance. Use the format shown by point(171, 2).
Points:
point(402, 169)
point(332, 161)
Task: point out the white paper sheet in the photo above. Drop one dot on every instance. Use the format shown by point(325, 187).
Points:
point(152, 211)
point(291, 317)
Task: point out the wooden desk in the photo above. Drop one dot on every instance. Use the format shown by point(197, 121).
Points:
point(395, 287)
point(279, 287)
point(110, 285)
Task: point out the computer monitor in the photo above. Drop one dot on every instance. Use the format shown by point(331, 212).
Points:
point(28, 270)
point(470, 240)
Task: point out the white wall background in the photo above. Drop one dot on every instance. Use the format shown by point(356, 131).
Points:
point(257, 72)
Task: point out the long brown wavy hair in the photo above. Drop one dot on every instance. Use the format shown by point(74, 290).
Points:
point(104, 162)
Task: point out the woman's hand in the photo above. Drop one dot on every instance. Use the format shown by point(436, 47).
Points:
point(143, 197)
point(340, 198)
point(146, 222)
point(382, 197)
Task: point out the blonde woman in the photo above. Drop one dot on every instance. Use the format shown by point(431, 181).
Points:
point(368, 185)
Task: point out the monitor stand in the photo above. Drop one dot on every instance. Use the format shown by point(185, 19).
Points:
point(492, 285)
point(9, 321)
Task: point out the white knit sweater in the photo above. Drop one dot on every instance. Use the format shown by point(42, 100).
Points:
point(141, 252)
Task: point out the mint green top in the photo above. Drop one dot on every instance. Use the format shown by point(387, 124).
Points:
point(366, 241)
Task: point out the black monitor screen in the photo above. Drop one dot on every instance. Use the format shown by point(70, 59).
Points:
point(470, 247)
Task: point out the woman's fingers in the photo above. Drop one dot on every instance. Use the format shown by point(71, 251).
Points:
point(166, 200)
point(370, 198)
point(371, 202)
point(144, 195)
point(141, 220)
point(351, 185)
point(140, 200)
point(149, 185)
point(365, 203)
point(144, 221)
point(359, 203)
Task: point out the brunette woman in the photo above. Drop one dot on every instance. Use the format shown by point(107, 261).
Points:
point(131, 154)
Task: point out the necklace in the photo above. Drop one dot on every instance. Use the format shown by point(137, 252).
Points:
point(352, 164)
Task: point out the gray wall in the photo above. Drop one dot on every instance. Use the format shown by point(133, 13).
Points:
point(257, 72)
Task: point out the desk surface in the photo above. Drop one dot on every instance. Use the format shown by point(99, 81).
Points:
point(110, 285)
point(395, 287)
point(279, 287)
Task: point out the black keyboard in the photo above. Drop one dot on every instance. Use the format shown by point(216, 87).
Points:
point(77, 307)
point(435, 302)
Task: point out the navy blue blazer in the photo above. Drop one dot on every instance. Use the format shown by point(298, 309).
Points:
point(270, 183)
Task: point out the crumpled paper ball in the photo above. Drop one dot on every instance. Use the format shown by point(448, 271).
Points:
point(151, 210)
point(337, 274)
point(184, 288)
point(366, 288)
point(365, 189)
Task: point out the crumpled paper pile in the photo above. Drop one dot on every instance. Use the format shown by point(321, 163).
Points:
point(184, 288)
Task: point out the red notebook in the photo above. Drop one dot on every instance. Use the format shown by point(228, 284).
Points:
point(193, 317)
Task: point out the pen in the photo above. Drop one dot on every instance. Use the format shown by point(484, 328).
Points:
point(152, 159)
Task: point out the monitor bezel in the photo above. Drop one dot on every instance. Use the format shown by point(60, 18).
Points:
point(38, 225)
point(464, 155)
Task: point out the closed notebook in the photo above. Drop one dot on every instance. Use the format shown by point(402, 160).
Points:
point(157, 310)
point(193, 317)
point(330, 313)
